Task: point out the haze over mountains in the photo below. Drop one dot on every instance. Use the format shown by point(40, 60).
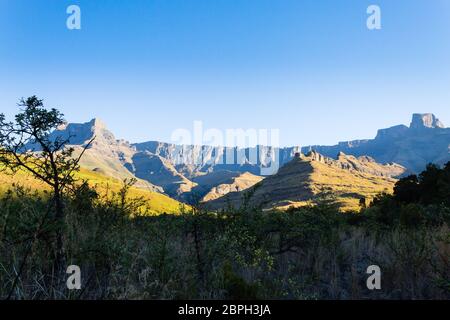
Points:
point(206, 173)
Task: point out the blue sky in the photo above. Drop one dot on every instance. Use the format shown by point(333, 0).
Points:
point(309, 68)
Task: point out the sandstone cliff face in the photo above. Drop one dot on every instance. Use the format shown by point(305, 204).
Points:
point(425, 120)
point(363, 164)
point(366, 164)
point(193, 159)
point(425, 141)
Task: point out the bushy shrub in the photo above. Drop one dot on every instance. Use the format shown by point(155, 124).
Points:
point(306, 253)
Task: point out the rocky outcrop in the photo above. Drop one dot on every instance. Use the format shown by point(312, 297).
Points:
point(363, 164)
point(425, 120)
point(366, 164)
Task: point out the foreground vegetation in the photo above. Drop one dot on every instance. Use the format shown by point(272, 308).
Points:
point(313, 252)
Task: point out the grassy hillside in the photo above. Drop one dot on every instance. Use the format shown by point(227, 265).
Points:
point(348, 186)
point(157, 203)
point(303, 181)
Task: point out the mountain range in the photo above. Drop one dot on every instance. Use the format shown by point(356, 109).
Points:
point(425, 141)
point(201, 173)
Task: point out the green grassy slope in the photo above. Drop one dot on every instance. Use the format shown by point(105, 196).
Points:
point(157, 203)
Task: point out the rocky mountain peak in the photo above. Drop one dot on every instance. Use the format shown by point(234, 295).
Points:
point(364, 164)
point(62, 126)
point(81, 133)
point(101, 132)
point(341, 155)
point(425, 120)
point(97, 123)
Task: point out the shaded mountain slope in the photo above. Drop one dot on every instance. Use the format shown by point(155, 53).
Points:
point(157, 170)
point(219, 183)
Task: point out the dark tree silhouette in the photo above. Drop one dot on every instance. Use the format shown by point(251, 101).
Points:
point(429, 182)
point(432, 186)
point(27, 144)
point(407, 189)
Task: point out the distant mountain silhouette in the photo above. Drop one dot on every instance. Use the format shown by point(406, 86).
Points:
point(425, 141)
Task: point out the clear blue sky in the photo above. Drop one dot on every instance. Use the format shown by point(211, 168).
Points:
point(309, 68)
